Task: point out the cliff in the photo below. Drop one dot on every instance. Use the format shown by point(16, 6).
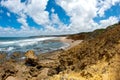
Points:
point(96, 58)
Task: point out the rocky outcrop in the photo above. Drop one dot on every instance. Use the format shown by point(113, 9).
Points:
point(12, 78)
point(94, 59)
point(7, 70)
point(30, 54)
point(31, 58)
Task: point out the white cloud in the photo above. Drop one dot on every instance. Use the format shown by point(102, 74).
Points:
point(10, 31)
point(34, 9)
point(104, 5)
point(110, 21)
point(13, 5)
point(22, 21)
point(7, 31)
point(81, 12)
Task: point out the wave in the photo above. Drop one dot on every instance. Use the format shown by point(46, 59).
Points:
point(25, 41)
point(11, 45)
point(7, 49)
point(65, 46)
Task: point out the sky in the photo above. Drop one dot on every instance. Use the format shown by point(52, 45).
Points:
point(21, 18)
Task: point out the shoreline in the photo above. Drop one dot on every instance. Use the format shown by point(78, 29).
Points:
point(71, 42)
point(43, 66)
point(53, 55)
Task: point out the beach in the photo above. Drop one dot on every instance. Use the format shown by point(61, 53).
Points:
point(71, 42)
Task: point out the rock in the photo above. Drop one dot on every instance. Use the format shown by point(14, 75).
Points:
point(31, 58)
point(52, 72)
point(34, 72)
point(11, 78)
point(49, 63)
point(15, 55)
point(7, 70)
point(43, 74)
point(30, 54)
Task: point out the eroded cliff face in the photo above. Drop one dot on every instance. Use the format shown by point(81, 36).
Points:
point(103, 50)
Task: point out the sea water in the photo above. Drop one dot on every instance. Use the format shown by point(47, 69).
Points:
point(39, 45)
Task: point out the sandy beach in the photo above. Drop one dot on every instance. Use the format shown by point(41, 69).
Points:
point(71, 42)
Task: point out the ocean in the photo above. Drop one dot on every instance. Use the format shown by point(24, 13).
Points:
point(39, 45)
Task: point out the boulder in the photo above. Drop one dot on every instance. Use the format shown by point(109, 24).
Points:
point(15, 55)
point(30, 54)
point(31, 58)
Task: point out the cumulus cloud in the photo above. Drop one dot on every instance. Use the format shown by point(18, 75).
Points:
point(103, 5)
point(10, 31)
point(110, 21)
point(13, 5)
point(34, 9)
point(81, 12)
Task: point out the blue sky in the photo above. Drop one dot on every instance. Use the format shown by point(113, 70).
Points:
point(55, 17)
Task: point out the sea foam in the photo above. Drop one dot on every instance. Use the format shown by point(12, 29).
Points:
point(11, 45)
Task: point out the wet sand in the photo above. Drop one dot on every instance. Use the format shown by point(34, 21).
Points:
point(71, 42)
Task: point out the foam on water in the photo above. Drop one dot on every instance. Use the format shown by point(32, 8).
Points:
point(65, 46)
point(39, 45)
point(11, 45)
point(24, 41)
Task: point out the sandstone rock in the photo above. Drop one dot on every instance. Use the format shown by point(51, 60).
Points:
point(31, 58)
point(30, 54)
point(52, 72)
point(15, 55)
point(43, 74)
point(49, 63)
point(34, 72)
point(7, 70)
point(12, 78)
